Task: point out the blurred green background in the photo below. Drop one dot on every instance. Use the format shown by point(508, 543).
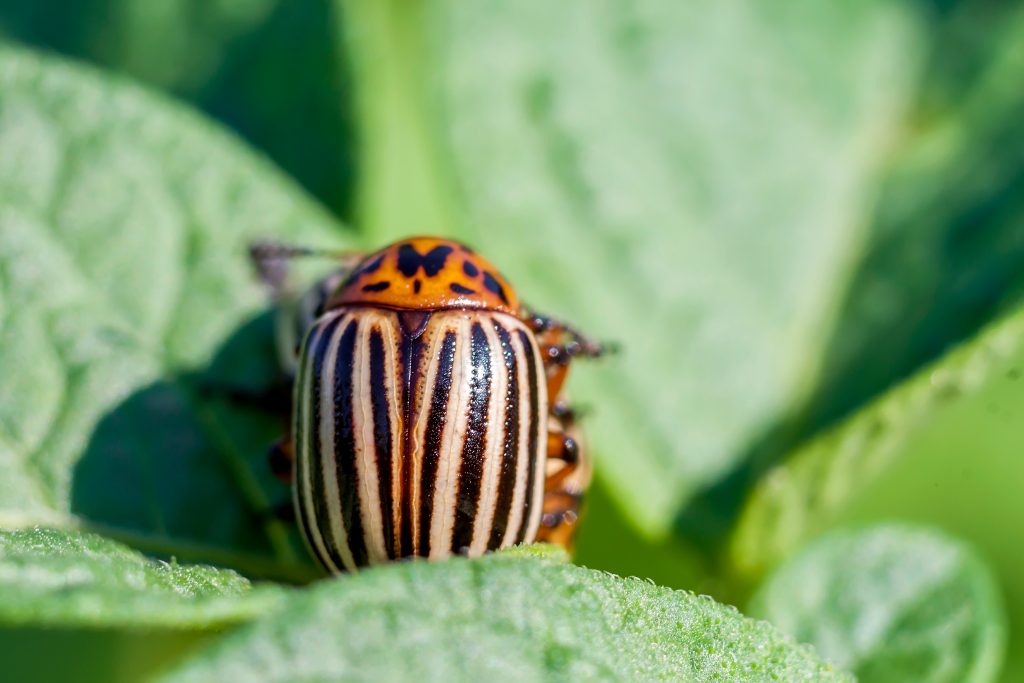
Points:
point(787, 214)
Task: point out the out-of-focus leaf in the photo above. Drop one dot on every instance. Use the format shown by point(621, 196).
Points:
point(503, 619)
point(891, 603)
point(94, 655)
point(267, 68)
point(947, 246)
point(805, 494)
point(942, 448)
point(67, 578)
point(124, 223)
point(634, 170)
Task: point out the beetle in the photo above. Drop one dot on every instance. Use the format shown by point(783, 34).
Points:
point(427, 413)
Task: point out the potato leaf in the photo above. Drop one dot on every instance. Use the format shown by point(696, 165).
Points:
point(942, 448)
point(636, 173)
point(891, 603)
point(125, 296)
point(502, 618)
point(813, 488)
point(51, 577)
point(255, 65)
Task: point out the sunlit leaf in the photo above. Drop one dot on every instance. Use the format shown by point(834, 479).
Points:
point(891, 604)
point(503, 619)
point(62, 578)
point(687, 178)
point(124, 222)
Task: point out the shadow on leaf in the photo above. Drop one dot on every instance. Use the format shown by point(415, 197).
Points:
point(179, 467)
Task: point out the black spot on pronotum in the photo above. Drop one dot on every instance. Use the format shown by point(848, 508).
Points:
point(372, 266)
point(492, 285)
point(469, 269)
point(417, 285)
point(459, 289)
point(365, 269)
point(410, 261)
point(377, 286)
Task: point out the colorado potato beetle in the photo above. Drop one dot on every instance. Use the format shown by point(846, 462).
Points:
point(427, 415)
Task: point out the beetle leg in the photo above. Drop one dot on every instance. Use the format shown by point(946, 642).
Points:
point(556, 377)
point(564, 412)
point(568, 476)
point(568, 473)
point(281, 457)
point(566, 340)
point(559, 345)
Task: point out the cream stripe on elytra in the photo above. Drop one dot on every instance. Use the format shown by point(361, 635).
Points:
point(493, 446)
point(457, 458)
point(393, 398)
point(366, 452)
point(310, 437)
point(519, 495)
point(429, 371)
point(446, 486)
point(329, 465)
point(539, 409)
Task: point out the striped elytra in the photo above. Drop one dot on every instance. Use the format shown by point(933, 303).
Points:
point(418, 433)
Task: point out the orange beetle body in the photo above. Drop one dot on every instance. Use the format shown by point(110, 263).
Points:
point(427, 418)
point(427, 273)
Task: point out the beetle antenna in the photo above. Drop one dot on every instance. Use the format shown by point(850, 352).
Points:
point(275, 251)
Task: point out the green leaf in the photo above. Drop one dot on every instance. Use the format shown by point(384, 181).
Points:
point(635, 172)
point(94, 655)
point(942, 449)
point(946, 251)
point(811, 489)
point(255, 65)
point(124, 222)
point(502, 619)
point(67, 578)
point(891, 603)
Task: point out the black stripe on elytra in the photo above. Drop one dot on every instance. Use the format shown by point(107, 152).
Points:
point(510, 448)
point(410, 260)
point(345, 445)
point(316, 465)
point(459, 289)
point(377, 286)
point(432, 441)
point(475, 442)
point(492, 285)
point(531, 476)
point(379, 399)
point(412, 351)
point(301, 430)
